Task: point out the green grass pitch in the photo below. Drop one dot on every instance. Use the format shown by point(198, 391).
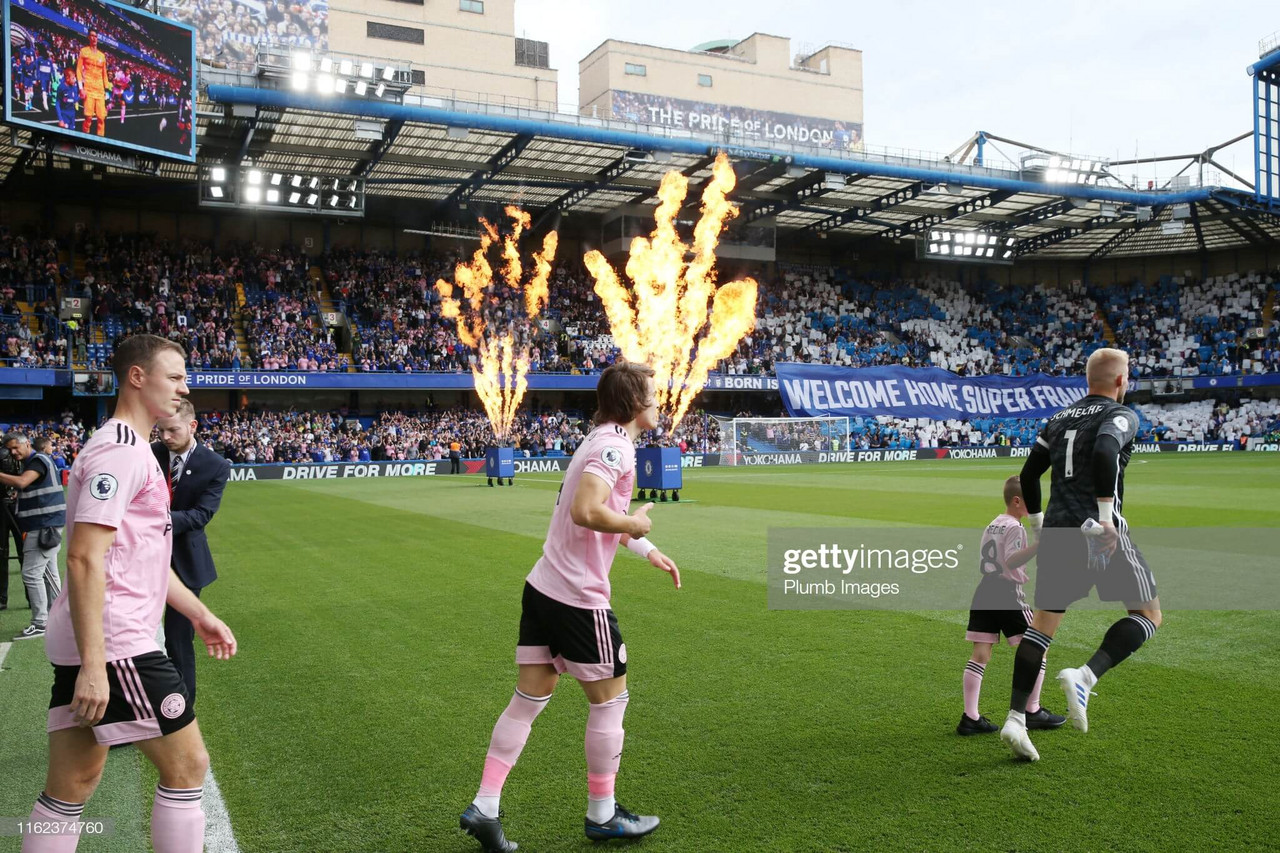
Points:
point(377, 620)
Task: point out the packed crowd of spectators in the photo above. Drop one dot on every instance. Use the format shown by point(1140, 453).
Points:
point(1211, 420)
point(22, 347)
point(395, 311)
point(813, 314)
point(29, 268)
point(229, 32)
point(395, 307)
point(263, 437)
point(286, 334)
point(883, 432)
point(1177, 327)
point(66, 433)
point(180, 291)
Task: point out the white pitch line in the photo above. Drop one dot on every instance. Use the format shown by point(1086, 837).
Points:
point(218, 837)
point(4, 650)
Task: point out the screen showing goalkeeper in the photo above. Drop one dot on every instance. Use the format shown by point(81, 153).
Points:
point(91, 69)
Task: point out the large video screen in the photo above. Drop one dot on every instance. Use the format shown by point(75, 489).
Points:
point(98, 71)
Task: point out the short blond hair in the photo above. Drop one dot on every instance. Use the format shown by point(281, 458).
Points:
point(1012, 489)
point(1104, 365)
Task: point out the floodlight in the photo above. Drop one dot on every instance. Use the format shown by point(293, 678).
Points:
point(295, 197)
point(218, 174)
point(253, 195)
point(361, 88)
point(273, 196)
point(300, 80)
point(324, 83)
point(215, 191)
point(255, 176)
point(301, 61)
point(366, 70)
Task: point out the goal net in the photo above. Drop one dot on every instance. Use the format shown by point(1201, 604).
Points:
point(744, 438)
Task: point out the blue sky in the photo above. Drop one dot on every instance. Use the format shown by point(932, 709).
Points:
point(1094, 78)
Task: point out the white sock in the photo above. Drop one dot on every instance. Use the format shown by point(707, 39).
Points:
point(488, 806)
point(600, 811)
point(1017, 716)
point(1090, 680)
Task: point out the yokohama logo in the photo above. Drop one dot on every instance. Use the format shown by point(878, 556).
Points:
point(967, 453)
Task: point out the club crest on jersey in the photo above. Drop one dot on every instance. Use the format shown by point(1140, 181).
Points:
point(612, 457)
point(622, 653)
point(103, 487)
point(1121, 422)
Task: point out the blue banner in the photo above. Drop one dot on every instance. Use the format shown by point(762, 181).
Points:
point(431, 381)
point(813, 390)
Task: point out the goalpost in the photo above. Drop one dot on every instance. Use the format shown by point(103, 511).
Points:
point(745, 437)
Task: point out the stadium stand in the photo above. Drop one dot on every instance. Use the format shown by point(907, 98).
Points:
point(264, 437)
point(246, 307)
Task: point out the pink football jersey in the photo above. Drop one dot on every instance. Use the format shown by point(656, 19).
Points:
point(575, 563)
point(116, 482)
point(1005, 535)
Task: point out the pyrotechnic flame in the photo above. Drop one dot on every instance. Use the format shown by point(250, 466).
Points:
point(501, 366)
point(658, 320)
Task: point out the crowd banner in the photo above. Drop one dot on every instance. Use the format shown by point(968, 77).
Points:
point(819, 390)
point(558, 464)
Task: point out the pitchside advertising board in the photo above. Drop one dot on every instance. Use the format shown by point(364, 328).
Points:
point(558, 464)
point(102, 74)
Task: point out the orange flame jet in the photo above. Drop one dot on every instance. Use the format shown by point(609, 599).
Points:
point(658, 320)
point(501, 366)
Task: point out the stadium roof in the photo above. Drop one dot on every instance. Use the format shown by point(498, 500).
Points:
point(449, 152)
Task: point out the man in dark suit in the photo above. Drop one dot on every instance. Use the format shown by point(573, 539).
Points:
point(197, 476)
